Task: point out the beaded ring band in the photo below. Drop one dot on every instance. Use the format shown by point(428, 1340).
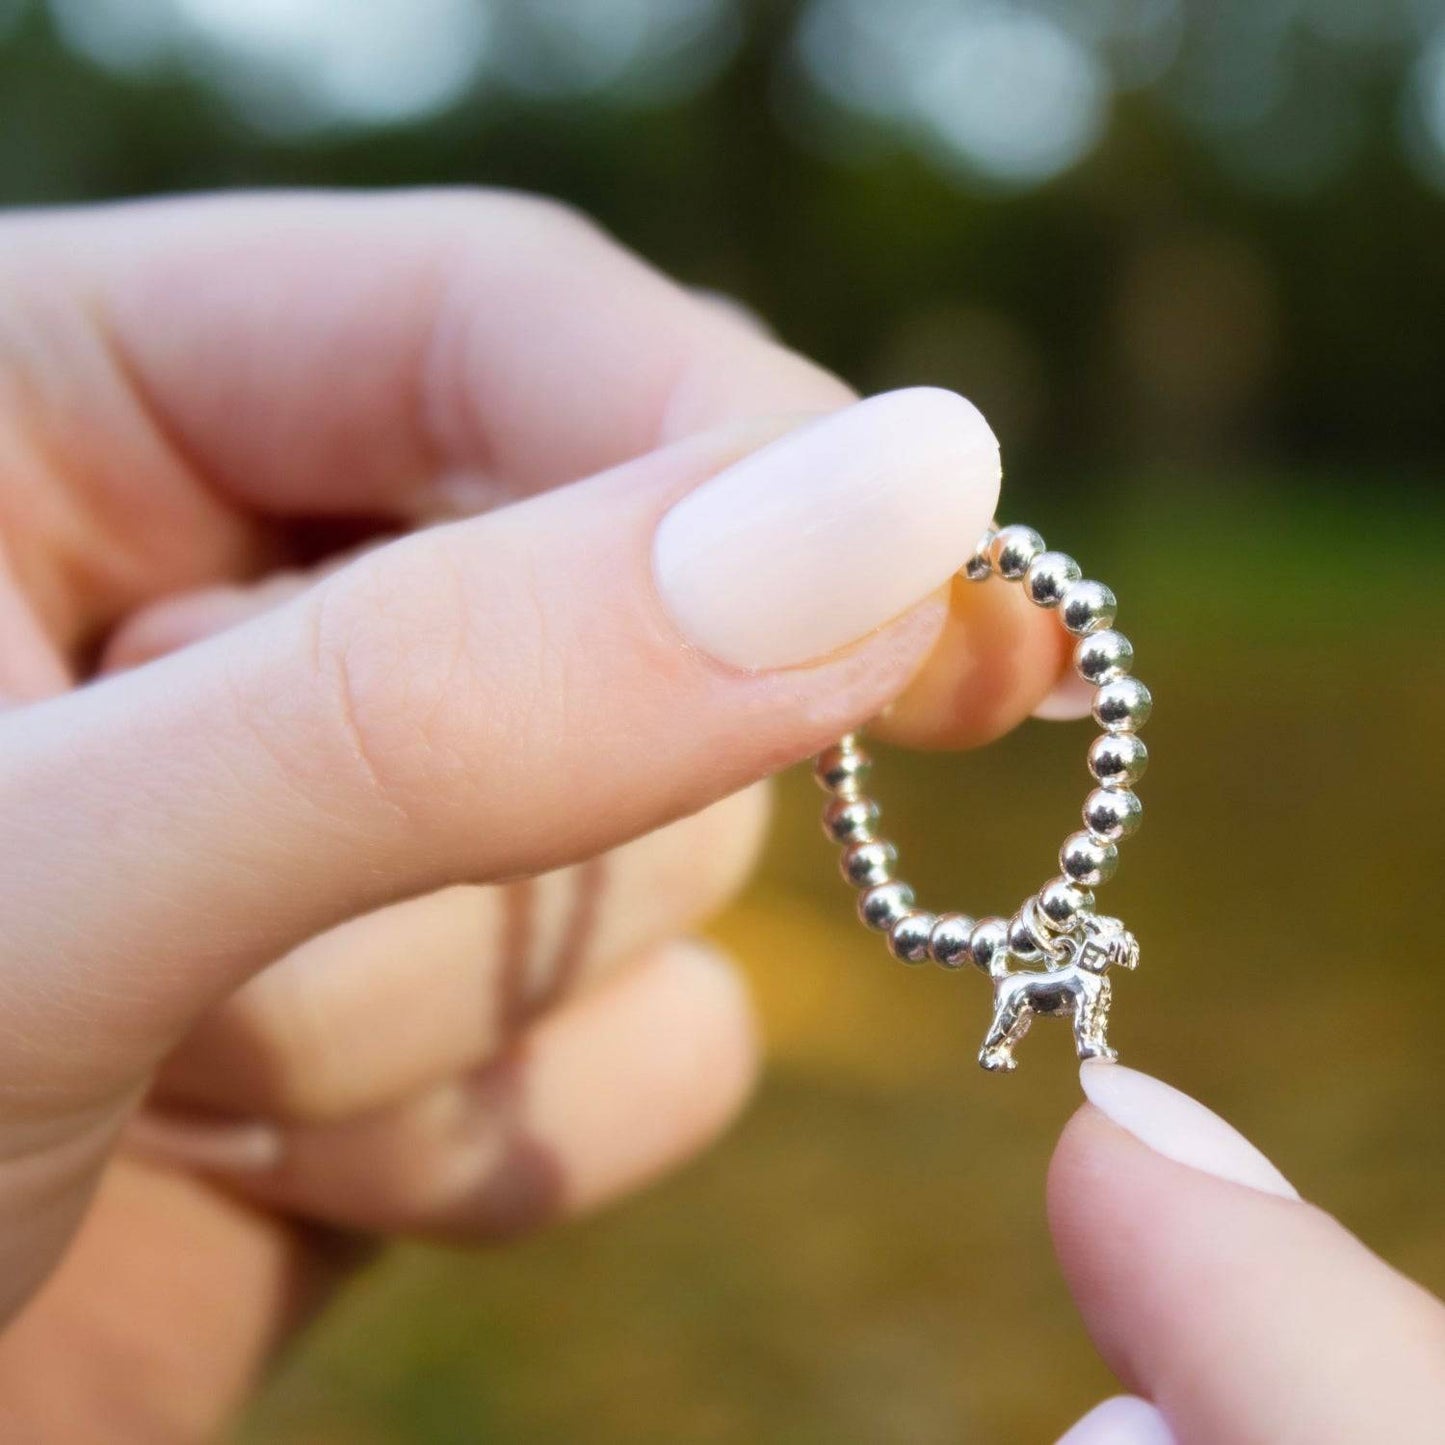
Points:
point(1057, 926)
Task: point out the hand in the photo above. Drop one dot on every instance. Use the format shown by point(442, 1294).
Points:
point(257, 872)
point(1246, 1316)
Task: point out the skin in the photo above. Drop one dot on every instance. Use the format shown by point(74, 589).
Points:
point(226, 429)
point(1249, 1319)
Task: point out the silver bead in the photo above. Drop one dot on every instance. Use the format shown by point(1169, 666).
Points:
point(948, 943)
point(988, 942)
point(842, 768)
point(1061, 902)
point(1104, 657)
point(1112, 813)
point(1123, 706)
point(1050, 575)
point(1118, 760)
point(1087, 607)
point(881, 906)
point(1013, 549)
point(908, 938)
point(979, 568)
point(864, 864)
point(1022, 942)
point(1088, 860)
point(851, 820)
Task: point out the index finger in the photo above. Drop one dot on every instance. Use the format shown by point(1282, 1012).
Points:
point(367, 353)
point(411, 353)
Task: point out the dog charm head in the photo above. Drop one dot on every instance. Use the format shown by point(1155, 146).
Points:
point(1103, 942)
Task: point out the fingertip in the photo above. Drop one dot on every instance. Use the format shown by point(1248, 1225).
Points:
point(996, 660)
point(171, 623)
point(732, 833)
point(818, 539)
point(1069, 699)
point(1179, 1128)
point(1082, 1163)
point(705, 968)
point(633, 1082)
point(1123, 1420)
point(1074, 1142)
point(949, 413)
point(713, 1012)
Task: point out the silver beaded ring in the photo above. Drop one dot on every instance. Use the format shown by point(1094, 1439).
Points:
point(1057, 926)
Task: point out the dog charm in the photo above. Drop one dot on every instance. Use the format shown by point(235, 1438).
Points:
point(1074, 987)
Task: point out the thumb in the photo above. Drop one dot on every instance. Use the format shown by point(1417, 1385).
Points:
point(493, 698)
point(1247, 1316)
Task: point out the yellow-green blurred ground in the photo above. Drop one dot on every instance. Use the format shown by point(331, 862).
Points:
point(865, 1259)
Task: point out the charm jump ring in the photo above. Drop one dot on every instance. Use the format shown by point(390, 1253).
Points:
point(1057, 926)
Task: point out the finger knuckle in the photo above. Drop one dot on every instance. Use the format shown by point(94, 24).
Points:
point(483, 215)
point(389, 654)
point(437, 698)
point(272, 1050)
point(546, 216)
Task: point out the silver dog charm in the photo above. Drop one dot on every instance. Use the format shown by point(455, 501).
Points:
point(1074, 987)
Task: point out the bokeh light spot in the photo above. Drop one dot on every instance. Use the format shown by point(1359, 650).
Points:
point(1008, 96)
point(647, 50)
point(295, 66)
point(1013, 96)
point(1423, 113)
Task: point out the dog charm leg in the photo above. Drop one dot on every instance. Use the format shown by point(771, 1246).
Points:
point(1091, 1025)
point(1010, 1024)
point(1090, 1042)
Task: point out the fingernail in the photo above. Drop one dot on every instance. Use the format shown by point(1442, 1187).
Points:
point(1071, 699)
point(1178, 1127)
point(1124, 1420)
point(240, 1146)
point(829, 532)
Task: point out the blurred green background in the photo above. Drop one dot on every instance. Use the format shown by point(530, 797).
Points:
point(1189, 257)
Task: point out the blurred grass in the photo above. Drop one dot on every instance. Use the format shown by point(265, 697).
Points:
point(865, 1259)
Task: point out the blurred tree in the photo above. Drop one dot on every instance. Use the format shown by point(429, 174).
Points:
point(1139, 229)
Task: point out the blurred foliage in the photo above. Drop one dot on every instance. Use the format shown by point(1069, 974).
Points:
point(1217, 378)
point(1193, 289)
